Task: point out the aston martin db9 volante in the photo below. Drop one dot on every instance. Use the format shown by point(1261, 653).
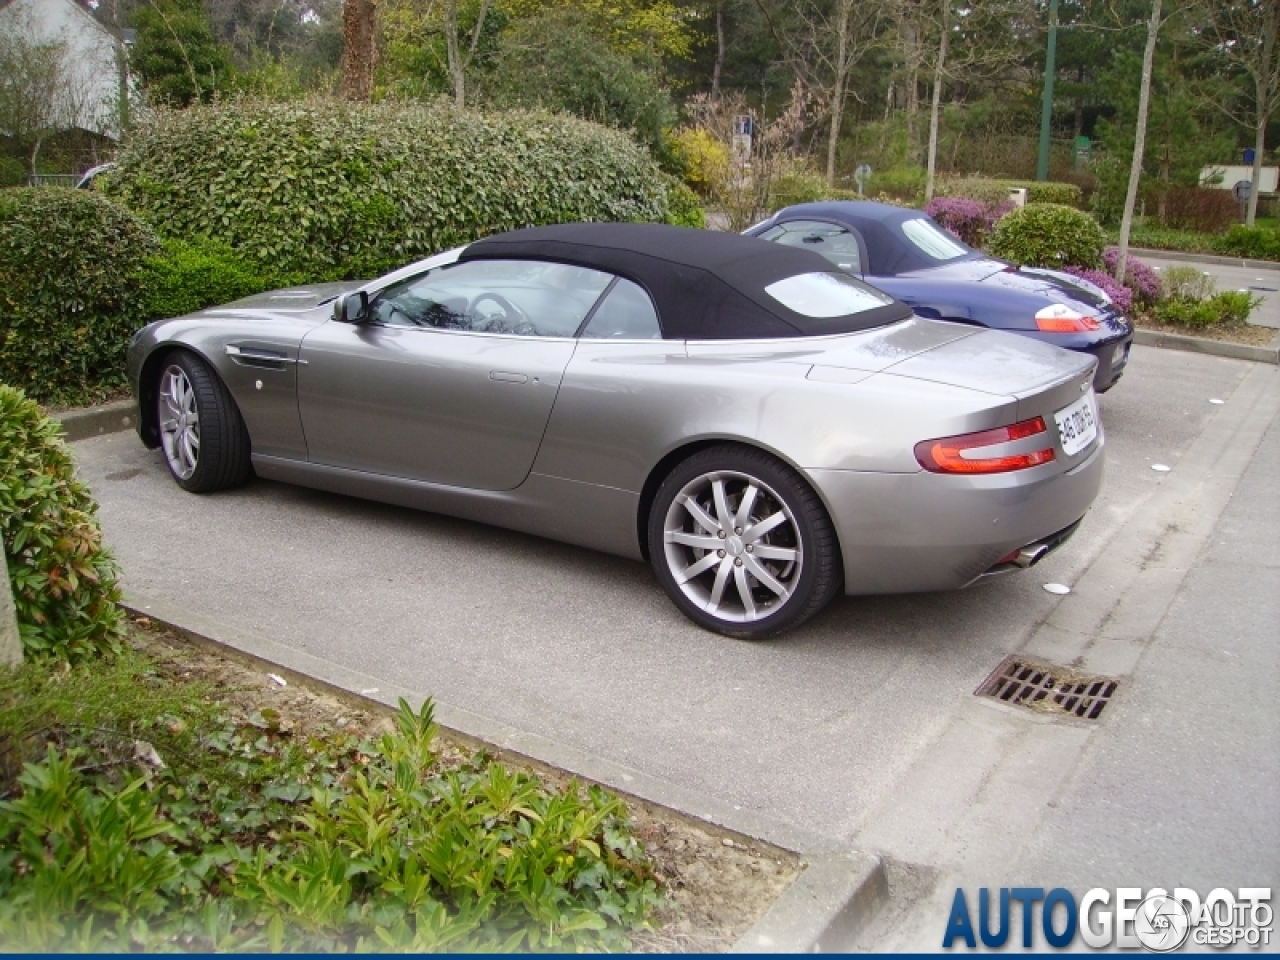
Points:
point(904, 253)
point(761, 427)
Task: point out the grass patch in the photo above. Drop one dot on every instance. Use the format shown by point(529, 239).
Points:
point(140, 811)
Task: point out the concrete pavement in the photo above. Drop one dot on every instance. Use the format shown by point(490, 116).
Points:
point(825, 733)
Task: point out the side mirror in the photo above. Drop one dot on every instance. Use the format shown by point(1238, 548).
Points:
point(352, 308)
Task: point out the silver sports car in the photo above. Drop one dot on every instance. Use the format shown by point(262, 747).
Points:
point(761, 427)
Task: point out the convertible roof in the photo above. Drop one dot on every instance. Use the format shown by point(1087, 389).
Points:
point(706, 285)
point(888, 250)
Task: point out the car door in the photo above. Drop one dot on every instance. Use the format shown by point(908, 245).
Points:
point(838, 243)
point(451, 377)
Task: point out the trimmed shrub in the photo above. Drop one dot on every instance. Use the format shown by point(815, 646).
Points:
point(797, 186)
point(191, 275)
point(1066, 194)
point(70, 292)
point(64, 580)
point(683, 207)
point(993, 192)
point(1048, 235)
point(328, 190)
point(1255, 243)
point(1199, 209)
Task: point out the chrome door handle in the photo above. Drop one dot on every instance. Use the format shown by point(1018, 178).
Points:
point(504, 377)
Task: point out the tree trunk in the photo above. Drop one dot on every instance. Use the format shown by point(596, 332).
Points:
point(359, 20)
point(837, 93)
point(939, 69)
point(719, 65)
point(10, 638)
point(35, 154)
point(456, 71)
point(1139, 141)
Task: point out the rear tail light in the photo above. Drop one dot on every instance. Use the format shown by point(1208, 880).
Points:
point(963, 454)
point(1060, 318)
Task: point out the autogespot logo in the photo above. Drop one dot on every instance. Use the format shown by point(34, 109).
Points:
point(1131, 918)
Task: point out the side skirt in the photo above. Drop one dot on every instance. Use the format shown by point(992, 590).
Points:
point(584, 514)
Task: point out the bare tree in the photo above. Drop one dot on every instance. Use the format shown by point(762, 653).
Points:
point(744, 186)
point(1243, 34)
point(41, 89)
point(359, 50)
point(458, 62)
point(1139, 139)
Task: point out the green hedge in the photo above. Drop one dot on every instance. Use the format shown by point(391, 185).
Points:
point(70, 292)
point(684, 209)
point(1254, 243)
point(1048, 235)
point(327, 190)
point(64, 580)
point(991, 191)
point(189, 276)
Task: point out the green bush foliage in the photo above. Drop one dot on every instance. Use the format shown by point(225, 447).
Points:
point(329, 190)
point(797, 186)
point(70, 292)
point(905, 184)
point(191, 275)
point(684, 209)
point(249, 840)
point(64, 580)
point(1187, 283)
point(1254, 243)
point(1229, 308)
point(1048, 235)
point(1065, 194)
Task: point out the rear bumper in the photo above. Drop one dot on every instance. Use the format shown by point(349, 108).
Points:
point(1112, 357)
point(910, 533)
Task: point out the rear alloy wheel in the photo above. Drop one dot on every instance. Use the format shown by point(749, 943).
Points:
point(203, 437)
point(742, 544)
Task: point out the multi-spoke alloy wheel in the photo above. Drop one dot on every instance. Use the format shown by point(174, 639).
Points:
point(204, 439)
point(179, 422)
point(741, 543)
point(733, 546)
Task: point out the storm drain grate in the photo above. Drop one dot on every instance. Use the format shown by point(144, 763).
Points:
point(1048, 688)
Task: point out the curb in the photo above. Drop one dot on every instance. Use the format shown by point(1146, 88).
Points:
point(838, 891)
point(1216, 348)
point(1211, 258)
point(88, 422)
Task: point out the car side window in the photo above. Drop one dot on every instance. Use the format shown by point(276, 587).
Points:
point(626, 314)
point(836, 243)
point(522, 298)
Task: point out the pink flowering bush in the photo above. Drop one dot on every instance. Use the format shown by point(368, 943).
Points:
point(1138, 277)
point(970, 220)
point(1120, 295)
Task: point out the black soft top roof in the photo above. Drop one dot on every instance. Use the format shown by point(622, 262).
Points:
point(889, 252)
point(706, 285)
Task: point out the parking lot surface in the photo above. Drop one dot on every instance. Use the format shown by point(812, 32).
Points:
point(819, 729)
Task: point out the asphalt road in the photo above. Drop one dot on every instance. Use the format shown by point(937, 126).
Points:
point(820, 729)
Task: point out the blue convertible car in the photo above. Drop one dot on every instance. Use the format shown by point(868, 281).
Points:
point(906, 254)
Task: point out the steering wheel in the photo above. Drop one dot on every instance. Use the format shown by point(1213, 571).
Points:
point(511, 314)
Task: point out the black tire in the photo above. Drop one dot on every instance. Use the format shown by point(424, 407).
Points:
point(779, 489)
point(222, 459)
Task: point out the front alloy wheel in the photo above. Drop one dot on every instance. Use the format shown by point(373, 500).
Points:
point(202, 434)
point(742, 544)
point(179, 422)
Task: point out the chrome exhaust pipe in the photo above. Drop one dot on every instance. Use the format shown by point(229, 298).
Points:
point(1030, 556)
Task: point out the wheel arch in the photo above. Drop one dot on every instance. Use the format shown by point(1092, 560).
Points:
point(148, 376)
point(675, 456)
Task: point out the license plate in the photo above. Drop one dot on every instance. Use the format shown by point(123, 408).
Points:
point(1120, 355)
point(1077, 425)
